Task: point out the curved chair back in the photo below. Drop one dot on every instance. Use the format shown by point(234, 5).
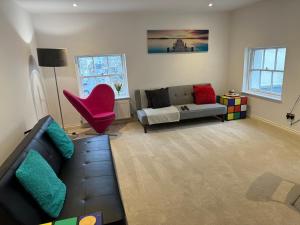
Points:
point(101, 99)
point(97, 108)
point(78, 105)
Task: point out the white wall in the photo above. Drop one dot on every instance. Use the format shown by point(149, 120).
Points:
point(17, 43)
point(126, 33)
point(266, 24)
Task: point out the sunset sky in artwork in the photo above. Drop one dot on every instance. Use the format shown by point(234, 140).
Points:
point(175, 41)
point(178, 34)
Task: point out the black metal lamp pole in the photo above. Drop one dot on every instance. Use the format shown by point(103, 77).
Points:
point(50, 57)
point(58, 97)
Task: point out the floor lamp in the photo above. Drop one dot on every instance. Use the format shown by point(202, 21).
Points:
point(49, 57)
point(291, 115)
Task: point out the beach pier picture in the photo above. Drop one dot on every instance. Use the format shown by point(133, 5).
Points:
point(177, 41)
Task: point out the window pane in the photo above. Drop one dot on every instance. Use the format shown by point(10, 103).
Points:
point(277, 82)
point(270, 55)
point(86, 66)
point(115, 65)
point(281, 59)
point(103, 80)
point(105, 69)
point(265, 81)
point(101, 65)
point(255, 80)
point(89, 83)
point(258, 59)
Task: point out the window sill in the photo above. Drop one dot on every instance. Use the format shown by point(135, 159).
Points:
point(264, 96)
point(116, 97)
point(122, 97)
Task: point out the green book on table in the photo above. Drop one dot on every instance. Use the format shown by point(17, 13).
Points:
point(90, 219)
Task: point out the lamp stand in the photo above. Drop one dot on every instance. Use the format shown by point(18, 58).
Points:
point(58, 97)
point(291, 116)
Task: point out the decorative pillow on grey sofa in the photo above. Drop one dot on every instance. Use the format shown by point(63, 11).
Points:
point(148, 95)
point(158, 98)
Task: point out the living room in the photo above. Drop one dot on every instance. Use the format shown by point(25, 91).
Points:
point(237, 164)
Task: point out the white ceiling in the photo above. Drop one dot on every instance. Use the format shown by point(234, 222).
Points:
point(65, 6)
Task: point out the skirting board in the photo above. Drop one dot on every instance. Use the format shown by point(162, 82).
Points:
point(86, 125)
point(72, 126)
point(290, 130)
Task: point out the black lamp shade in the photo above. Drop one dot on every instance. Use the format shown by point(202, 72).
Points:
point(49, 57)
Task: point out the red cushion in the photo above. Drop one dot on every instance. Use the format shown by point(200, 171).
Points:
point(200, 86)
point(204, 94)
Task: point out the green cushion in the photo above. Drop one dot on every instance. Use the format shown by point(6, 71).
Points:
point(39, 179)
point(61, 139)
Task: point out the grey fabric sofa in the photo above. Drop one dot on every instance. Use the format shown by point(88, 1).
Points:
point(179, 96)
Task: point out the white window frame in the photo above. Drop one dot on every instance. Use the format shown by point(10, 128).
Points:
point(249, 56)
point(80, 78)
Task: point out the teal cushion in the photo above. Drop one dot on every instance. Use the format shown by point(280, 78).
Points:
point(39, 179)
point(61, 139)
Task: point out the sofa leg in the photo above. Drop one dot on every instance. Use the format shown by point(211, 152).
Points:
point(145, 129)
point(223, 117)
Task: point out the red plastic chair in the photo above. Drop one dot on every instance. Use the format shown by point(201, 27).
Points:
point(97, 108)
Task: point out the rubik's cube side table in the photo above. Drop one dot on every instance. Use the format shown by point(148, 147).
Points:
point(236, 106)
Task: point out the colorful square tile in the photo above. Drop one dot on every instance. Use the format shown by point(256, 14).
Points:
point(230, 109)
point(221, 101)
point(71, 221)
point(230, 116)
point(225, 101)
point(244, 100)
point(244, 108)
point(231, 101)
point(237, 108)
point(237, 115)
point(243, 115)
point(237, 101)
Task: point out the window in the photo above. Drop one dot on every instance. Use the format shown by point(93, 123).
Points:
point(264, 72)
point(102, 69)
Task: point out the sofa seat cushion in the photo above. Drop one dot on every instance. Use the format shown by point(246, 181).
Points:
point(197, 111)
point(91, 181)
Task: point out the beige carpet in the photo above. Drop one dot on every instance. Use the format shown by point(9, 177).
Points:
point(234, 173)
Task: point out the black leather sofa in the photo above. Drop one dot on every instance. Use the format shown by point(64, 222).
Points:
point(89, 175)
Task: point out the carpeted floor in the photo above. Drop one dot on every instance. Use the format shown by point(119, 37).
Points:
point(234, 173)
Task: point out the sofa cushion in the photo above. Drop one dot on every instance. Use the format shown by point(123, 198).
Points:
point(91, 181)
point(61, 139)
point(198, 111)
point(204, 94)
point(39, 179)
point(195, 111)
point(158, 98)
point(149, 100)
point(180, 95)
